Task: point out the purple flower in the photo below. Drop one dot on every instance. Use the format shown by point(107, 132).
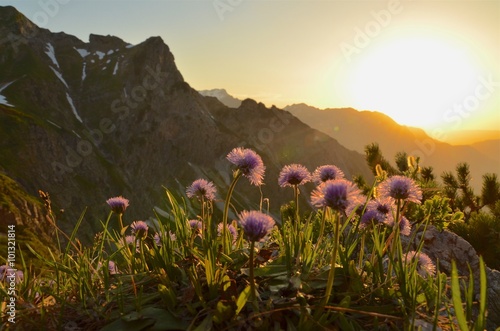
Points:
point(327, 172)
point(118, 204)
point(232, 231)
point(425, 266)
point(112, 268)
point(369, 218)
point(384, 207)
point(201, 189)
point(158, 239)
point(195, 225)
point(340, 194)
point(404, 226)
point(256, 225)
point(294, 174)
point(130, 240)
point(139, 229)
point(133, 240)
point(249, 163)
point(401, 188)
point(8, 274)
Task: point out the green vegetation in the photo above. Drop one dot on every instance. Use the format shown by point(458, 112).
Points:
point(341, 265)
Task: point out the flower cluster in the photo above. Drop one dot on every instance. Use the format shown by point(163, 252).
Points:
point(400, 188)
point(139, 229)
point(294, 174)
point(340, 195)
point(201, 189)
point(232, 230)
point(118, 204)
point(256, 225)
point(158, 238)
point(325, 173)
point(249, 163)
point(425, 266)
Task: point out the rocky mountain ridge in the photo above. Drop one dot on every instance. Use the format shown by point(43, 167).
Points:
point(87, 121)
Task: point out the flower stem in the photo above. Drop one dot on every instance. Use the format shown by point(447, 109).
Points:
point(297, 214)
point(395, 240)
point(331, 274)
point(236, 175)
point(322, 229)
point(253, 297)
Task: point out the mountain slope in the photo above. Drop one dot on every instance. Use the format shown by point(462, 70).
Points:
point(355, 129)
point(92, 120)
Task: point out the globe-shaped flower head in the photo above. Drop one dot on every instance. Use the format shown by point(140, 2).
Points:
point(384, 207)
point(326, 172)
point(294, 174)
point(159, 238)
point(139, 229)
point(118, 204)
point(232, 230)
point(400, 188)
point(201, 189)
point(370, 218)
point(256, 225)
point(195, 225)
point(340, 195)
point(425, 266)
point(249, 163)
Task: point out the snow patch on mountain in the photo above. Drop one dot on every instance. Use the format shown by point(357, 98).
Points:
point(100, 54)
point(73, 108)
point(51, 54)
point(222, 96)
point(3, 100)
point(83, 52)
point(59, 75)
point(115, 69)
point(84, 73)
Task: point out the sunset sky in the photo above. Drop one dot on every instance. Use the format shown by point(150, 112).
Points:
point(431, 64)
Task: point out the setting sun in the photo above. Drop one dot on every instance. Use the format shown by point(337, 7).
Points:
point(413, 80)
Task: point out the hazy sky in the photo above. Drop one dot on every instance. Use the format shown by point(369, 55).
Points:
point(433, 64)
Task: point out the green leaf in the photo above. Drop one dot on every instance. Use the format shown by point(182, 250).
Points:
point(222, 312)
point(206, 324)
point(481, 318)
point(150, 319)
point(242, 299)
point(456, 298)
point(131, 325)
point(164, 320)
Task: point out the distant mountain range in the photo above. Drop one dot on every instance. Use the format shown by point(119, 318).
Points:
point(88, 121)
point(469, 137)
point(355, 129)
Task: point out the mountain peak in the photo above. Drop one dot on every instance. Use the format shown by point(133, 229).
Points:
point(107, 42)
point(15, 22)
point(223, 96)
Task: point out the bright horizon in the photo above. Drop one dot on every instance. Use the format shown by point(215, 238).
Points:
point(428, 64)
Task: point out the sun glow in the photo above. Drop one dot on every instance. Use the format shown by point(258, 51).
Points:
point(413, 80)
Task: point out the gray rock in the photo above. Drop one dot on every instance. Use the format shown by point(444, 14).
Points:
point(443, 247)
